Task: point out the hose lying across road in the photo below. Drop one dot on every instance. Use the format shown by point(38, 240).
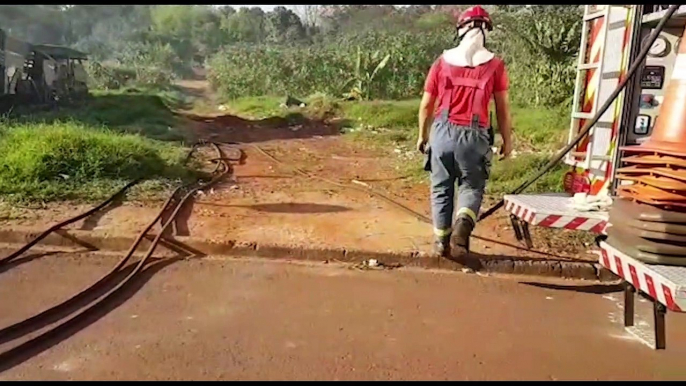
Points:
point(380, 195)
point(370, 190)
point(64, 223)
point(18, 354)
point(587, 127)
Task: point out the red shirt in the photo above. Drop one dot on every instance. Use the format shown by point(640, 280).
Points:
point(460, 111)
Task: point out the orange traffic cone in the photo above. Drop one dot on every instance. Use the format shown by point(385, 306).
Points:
point(660, 182)
point(656, 160)
point(669, 133)
point(643, 170)
point(651, 196)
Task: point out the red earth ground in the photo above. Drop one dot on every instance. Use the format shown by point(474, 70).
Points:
point(267, 202)
point(223, 319)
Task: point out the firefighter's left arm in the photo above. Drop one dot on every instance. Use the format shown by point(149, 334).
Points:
point(426, 108)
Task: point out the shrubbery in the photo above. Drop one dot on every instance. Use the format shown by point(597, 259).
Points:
point(149, 64)
point(375, 66)
point(539, 46)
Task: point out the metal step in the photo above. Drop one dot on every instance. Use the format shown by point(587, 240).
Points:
point(583, 155)
point(678, 18)
point(554, 210)
point(589, 66)
point(611, 75)
point(674, 278)
point(578, 115)
point(594, 15)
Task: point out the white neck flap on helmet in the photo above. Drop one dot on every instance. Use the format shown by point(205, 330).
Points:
point(471, 51)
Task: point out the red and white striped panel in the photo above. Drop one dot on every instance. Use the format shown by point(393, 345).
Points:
point(552, 212)
point(663, 283)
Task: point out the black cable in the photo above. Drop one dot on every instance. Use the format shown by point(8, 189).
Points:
point(582, 133)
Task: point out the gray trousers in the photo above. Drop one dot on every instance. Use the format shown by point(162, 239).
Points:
point(462, 155)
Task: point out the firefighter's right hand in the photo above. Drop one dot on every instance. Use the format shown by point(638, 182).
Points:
point(421, 145)
point(505, 151)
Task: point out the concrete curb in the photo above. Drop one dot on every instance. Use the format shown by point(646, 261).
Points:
point(231, 248)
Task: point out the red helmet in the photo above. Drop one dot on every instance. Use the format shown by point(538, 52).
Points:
point(475, 13)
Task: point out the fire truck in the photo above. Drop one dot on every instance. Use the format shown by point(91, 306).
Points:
point(612, 37)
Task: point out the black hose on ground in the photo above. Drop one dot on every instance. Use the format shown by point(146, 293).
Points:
point(582, 133)
point(95, 209)
point(54, 313)
point(72, 220)
point(25, 350)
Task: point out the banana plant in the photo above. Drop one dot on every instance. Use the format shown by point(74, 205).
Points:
point(362, 78)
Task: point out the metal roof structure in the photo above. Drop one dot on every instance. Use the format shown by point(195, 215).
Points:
point(59, 52)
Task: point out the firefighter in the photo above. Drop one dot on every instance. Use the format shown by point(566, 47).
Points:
point(457, 92)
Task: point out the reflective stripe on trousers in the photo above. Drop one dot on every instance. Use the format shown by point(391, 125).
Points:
point(462, 155)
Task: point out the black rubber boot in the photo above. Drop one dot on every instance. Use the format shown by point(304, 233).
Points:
point(459, 241)
point(442, 246)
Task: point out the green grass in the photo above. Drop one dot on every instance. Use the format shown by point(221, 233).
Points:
point(68, 160)
point(540, 128)
point(257, 107)
point(147, 112)
point(508, 175)
point(89, 151)
point(383, 114)
point(391, 125)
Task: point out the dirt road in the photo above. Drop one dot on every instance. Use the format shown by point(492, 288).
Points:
point(251, 320)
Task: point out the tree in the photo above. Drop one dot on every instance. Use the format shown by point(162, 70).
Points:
point(310, 15)
point(246, 25)
point(283, 25)
point(226, 10)
point(543, 41)
point(34, 23)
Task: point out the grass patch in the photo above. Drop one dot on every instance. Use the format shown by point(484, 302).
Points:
point(383, 114)
point(68, 160)
point(147, 112)
point(256, 107)
point(535, 128)
point(87, 152)
point(540, 128)
point(509, 174)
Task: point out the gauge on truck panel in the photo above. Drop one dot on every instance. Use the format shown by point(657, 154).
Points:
point(660, 48)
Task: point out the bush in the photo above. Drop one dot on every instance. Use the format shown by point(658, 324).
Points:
point(117, 76)
point(538, 43)
point(109, 77)
point(141, 64)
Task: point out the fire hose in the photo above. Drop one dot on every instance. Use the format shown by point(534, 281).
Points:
point(93, 298)
point(589, 124)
